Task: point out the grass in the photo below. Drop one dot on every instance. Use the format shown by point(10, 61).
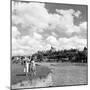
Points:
point(17, 74)
point(69, 74)
point(62, 73)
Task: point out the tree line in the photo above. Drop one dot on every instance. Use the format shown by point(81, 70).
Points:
point(71, 55)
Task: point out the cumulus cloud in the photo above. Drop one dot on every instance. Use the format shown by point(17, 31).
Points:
point(37, 36)
point(27, 45)
point(73, 42)
point(73, 29)
point(65, 21)
point(67, 43)
point(77, 14)
point(52, 41)
point(67, 16)
point(34, 28)
point(15, 32)
point(83, 25)
point(65, 12)
point(33, 14)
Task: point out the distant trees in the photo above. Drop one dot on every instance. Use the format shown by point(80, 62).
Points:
point(71, 55)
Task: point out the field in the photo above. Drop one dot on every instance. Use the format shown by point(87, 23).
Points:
point(51, 74)
point(18, 75)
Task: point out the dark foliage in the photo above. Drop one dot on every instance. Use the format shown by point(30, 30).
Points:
point(71, 55)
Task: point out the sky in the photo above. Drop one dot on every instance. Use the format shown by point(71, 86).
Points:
point(38, 26)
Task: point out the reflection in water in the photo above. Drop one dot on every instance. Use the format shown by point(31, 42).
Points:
point(39, 82)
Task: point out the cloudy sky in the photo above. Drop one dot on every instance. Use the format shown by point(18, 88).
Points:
point(38, 26)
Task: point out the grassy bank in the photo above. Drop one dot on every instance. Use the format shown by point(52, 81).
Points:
point(62, 74)
point(17, 74)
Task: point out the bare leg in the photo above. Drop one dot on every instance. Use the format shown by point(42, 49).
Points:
point(24, 70)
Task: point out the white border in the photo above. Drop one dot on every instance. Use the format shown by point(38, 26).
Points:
point(63, 1)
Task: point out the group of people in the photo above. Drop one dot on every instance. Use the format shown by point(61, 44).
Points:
point(29, 66)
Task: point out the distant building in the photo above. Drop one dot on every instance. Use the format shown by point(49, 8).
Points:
point(52, 49)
